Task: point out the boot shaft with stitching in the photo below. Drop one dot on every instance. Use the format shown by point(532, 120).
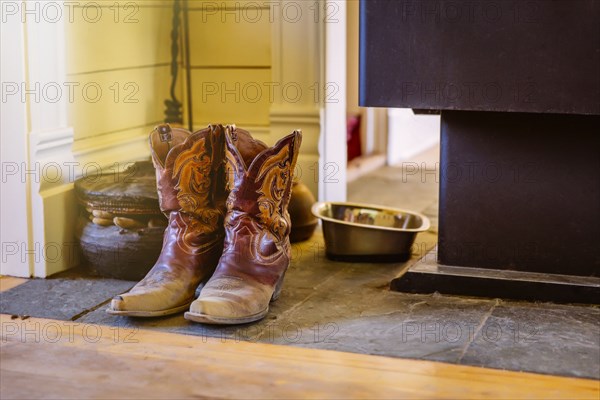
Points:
point(256, 251)
point(190, 180)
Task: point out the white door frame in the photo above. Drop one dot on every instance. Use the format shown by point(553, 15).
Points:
point(14, 203)
point(332, 143)
point(37, 209)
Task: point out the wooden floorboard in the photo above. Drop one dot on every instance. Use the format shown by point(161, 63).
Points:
point(57, 359)
point(9, 282)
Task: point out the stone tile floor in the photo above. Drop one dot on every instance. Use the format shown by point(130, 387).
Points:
point(349, 307)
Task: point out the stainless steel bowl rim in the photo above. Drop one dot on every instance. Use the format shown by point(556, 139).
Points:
point(426, 224)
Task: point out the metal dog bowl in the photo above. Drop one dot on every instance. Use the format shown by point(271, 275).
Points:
point(368, 233)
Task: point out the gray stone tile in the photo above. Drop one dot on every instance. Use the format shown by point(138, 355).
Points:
point(354, 311)
point(62, 299)
point(172, 324)
point(309, 267)
point(543, 338)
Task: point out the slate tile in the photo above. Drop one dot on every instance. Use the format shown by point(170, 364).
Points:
point(348, 314)
point(61, 299)
point(542, 338)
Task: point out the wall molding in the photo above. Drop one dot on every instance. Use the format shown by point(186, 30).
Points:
point(50, 174)
point(306, 115)
point(51, 161)
point(120, 147)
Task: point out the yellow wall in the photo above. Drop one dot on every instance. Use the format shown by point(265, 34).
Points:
point(128, 57)
point(125, 52)
point(230, 53)
point(231, 57)
point(243, 53)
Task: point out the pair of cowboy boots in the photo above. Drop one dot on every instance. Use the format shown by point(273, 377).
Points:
point(226, 197)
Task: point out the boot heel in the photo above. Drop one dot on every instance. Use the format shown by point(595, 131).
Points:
point(278, 287)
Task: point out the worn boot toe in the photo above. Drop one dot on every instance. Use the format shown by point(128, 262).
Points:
point(227, 300)
point(148, 303)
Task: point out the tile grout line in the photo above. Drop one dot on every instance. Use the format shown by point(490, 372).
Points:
point(386, 314)
point(479, 327)
point(91, 309)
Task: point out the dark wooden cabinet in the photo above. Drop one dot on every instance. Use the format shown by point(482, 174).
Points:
point(518, 87)
point(509, 56)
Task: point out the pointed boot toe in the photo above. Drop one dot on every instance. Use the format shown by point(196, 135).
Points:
point(146, 304)
point(222, 310)
point(230, 301)
point(117, 304)
point(218, 307)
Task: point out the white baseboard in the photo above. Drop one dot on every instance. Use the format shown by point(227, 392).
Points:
point(51, 212)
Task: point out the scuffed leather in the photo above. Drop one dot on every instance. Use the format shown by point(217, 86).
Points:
point(256, 252)
point(191, 185)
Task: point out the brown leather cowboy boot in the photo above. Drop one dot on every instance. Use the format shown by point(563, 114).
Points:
point(257, 225)
point(190, 178)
